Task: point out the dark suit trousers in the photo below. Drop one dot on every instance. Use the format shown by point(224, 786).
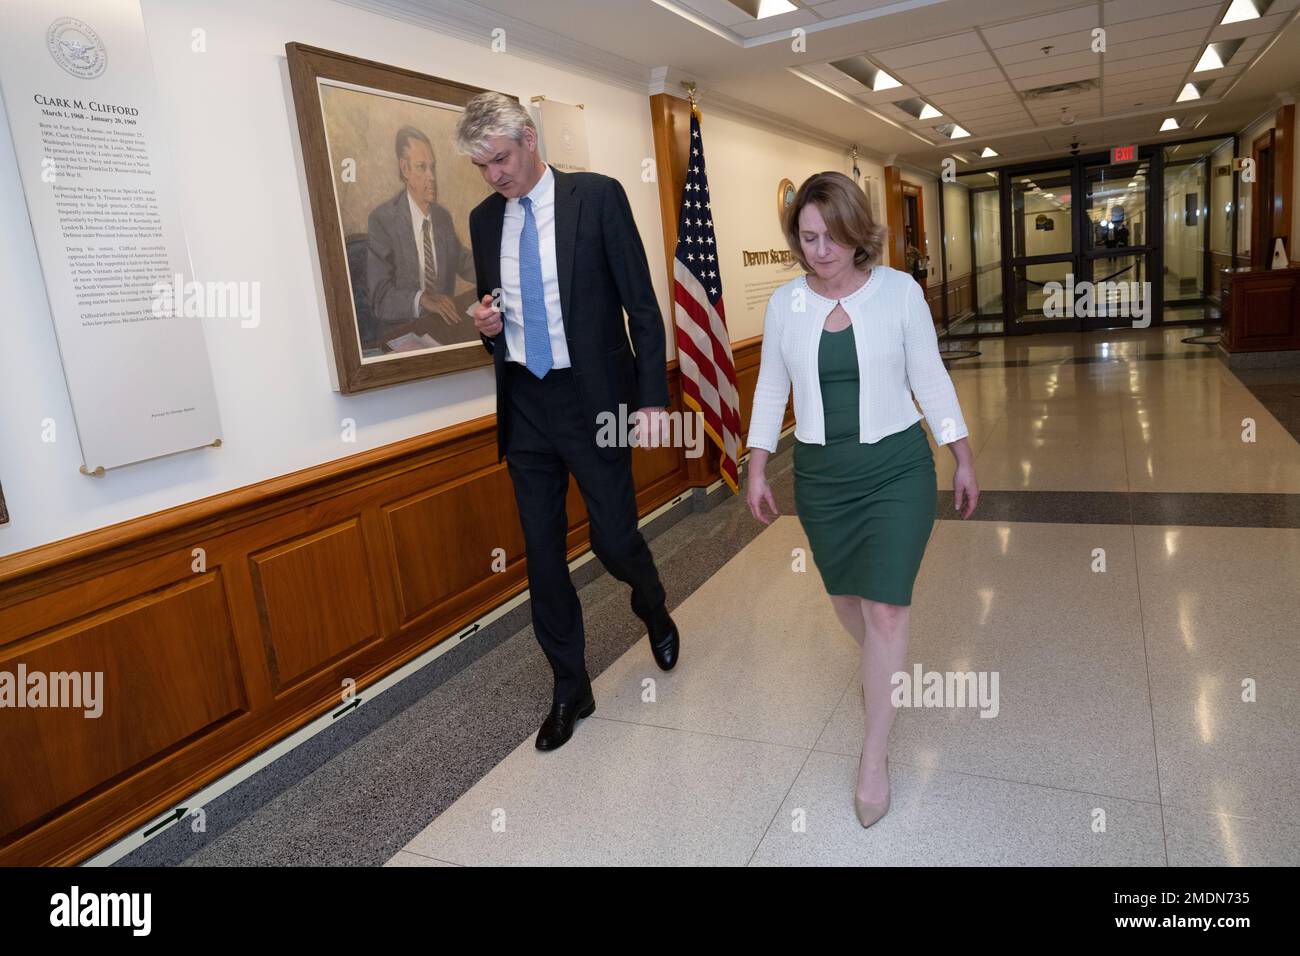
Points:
point(549, 438)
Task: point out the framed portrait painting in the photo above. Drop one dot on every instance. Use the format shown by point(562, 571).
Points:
point(390, 201)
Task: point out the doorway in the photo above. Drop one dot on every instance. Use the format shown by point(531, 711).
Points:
point(1081, 244)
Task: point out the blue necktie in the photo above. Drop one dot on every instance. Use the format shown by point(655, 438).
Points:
point(537, 336)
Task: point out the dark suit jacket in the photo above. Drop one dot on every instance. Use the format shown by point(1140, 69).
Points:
point(393, 263)
point(602, 270)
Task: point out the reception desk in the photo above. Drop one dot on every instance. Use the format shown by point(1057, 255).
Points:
point(1261, 317)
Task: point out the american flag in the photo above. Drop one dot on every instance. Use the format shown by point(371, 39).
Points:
point(703, 345)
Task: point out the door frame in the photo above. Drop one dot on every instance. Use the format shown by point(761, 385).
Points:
point(1080, 257)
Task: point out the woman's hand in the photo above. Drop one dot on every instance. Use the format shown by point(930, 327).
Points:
point(965, 488)
point(757, 493)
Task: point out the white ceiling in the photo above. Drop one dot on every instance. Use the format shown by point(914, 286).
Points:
point(973, 60)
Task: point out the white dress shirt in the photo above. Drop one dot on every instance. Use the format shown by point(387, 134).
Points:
point(898, 355)
point(543, 199)
point(417, 221)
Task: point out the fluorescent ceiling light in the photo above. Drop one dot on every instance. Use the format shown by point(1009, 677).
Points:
point(1216, 55)
point(762, 9)
point(1209, 60)
point(866, 73)
point(915, 106)
point(1240, 10)
point(988, 151)
point(958, 132)
point(1190, 92)
point(1168, 124)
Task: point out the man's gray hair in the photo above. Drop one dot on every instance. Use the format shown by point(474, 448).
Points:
point(488, 116)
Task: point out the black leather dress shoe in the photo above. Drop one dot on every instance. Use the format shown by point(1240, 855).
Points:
point(664, 641)
point(557, 728)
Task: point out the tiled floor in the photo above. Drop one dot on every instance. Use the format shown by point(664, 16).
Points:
point(1147, 707)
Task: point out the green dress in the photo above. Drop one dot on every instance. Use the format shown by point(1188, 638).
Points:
point(867, 508)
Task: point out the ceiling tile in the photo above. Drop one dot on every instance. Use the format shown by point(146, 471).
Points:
point(1199, 18)
point(1080, 41)
point(1120, 11)
point(930, 51)
point(1190, 40)
point(1112, 66)
point(985, 91)
point(1054, 62)
point(960, 81)
point(955, 66)
point(1061, 76)
point(1082, 18)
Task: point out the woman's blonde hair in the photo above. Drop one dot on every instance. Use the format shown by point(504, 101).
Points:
point(847, 213)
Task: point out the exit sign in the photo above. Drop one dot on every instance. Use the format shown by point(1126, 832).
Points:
point(1123, 154)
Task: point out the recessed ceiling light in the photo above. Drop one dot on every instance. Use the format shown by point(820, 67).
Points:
point(1240, 10)
point(958, 133)
point(988, 151)
point(1190, 92)
point(1216, 55)
point(866, 73)
point(1209, 60)
point(1168, 124)
point(915, 106)
point(762, 9)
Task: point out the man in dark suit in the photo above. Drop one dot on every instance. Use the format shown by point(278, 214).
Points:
point(560, 255)
point(415, 255)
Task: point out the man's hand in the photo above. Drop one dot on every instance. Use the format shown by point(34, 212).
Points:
point(651, 427)
point(440, 305)
point(487, 317)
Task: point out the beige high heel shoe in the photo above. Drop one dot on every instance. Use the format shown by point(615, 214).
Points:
point(868, 812)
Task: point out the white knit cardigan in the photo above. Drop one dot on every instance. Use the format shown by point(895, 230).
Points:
point(898, 355)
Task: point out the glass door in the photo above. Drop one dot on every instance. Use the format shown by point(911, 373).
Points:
point(1117, 246)
point(1040, 272)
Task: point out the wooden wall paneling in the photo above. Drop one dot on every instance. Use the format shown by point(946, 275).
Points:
point(343, 571)
point(894, 242)
point(169, 674)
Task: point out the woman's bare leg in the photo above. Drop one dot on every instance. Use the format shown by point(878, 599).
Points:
point(848, 608)
point(883, 653)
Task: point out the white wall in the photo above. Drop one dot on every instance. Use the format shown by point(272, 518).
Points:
point(1221, 199)
point(246, 215)
point(956, 216)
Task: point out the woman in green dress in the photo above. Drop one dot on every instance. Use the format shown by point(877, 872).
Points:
point(856, 341)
